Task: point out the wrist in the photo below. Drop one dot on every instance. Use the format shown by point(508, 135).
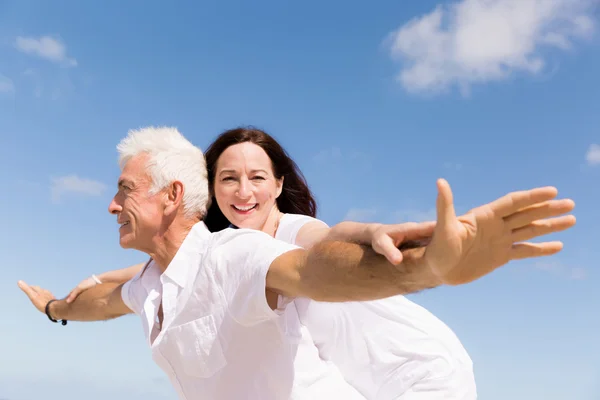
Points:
point(54, 310)
point(417, 257)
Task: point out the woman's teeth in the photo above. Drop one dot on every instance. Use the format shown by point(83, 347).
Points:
point(244, 208)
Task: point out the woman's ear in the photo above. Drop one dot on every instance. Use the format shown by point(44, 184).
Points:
point(279, 186)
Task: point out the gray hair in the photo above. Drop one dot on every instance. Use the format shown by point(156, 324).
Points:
point(172, 157)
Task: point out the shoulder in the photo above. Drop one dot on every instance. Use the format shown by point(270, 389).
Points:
point(135, 291)
point(247, 245)
point(291, 224)
point(238, 237)
point(298, 220)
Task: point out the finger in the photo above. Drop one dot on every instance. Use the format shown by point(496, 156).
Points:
point(411, 230)
point(73, 295)
point(520, 251)
point(28, 290)
point(543, 227)
point(515, 201)
point(444, 203)
point(539, 211)
point(386, 247)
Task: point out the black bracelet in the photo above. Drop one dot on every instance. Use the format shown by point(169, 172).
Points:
point(63, 322)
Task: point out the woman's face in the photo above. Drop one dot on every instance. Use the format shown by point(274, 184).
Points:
point(245, 186)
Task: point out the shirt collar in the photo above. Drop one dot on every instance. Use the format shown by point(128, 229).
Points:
point(193, 245)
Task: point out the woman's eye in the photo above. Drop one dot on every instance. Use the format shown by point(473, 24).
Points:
point(262, 178)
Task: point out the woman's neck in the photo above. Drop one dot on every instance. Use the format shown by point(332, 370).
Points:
point(272, 222)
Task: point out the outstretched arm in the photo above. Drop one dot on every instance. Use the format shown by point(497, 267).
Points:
point(121, 275)
point(462, 249)
point(115, 276)
point(341, 271)
point(102, 302)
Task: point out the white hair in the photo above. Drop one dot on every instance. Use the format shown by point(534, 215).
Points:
point(171, 157)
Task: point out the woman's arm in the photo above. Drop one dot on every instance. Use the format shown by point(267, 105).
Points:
point(384, 239)
point(121, 275)
point(116, 276)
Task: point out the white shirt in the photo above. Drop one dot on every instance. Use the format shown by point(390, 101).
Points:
point(220, 340)
point(387, 349)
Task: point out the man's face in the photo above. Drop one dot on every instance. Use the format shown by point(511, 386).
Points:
point(139, 214)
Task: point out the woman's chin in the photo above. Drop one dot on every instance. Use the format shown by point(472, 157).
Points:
point(247, 222)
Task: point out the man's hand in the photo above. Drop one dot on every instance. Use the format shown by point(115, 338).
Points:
point(39, 297)
point(99, 303)
point(466, 248)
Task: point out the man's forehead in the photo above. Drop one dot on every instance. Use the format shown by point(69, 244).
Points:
point(137, 162)
point(134, 170)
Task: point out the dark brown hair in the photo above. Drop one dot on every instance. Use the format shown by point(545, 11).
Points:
point(295, 197)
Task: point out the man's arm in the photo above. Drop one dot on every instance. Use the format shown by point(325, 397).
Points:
point(462, 249)
point(340, 271)
point(102, 302)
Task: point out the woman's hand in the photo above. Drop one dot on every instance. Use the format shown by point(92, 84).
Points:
point(81, 287)
point(386, 239)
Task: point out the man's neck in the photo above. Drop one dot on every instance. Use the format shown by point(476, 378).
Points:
point(168, 243)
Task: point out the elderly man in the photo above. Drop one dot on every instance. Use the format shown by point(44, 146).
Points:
point(213, 305)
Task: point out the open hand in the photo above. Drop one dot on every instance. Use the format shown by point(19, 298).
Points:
point(39, 297)
point(466, 248)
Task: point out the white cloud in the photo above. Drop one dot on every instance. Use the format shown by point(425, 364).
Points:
point(476, 41)
point(593, 155)
point(6, 85)
point(360, 215)
point(46, 47)
point(73, 184)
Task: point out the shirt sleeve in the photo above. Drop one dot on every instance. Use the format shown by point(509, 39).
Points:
point(242, 262)
point(291, 224)
point(131, 292)
point(125, 289)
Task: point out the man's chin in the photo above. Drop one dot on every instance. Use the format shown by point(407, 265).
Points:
point(126, 243)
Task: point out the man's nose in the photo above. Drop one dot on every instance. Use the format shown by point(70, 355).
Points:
point(114, 207)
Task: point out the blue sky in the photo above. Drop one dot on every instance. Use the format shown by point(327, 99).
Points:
point(373, 101)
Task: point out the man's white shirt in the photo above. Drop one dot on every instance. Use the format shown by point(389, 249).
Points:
point(219, 338)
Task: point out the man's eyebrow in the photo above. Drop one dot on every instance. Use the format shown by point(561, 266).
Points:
point(123, 182)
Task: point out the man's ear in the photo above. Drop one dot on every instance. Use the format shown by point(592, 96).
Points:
point(174, 197)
